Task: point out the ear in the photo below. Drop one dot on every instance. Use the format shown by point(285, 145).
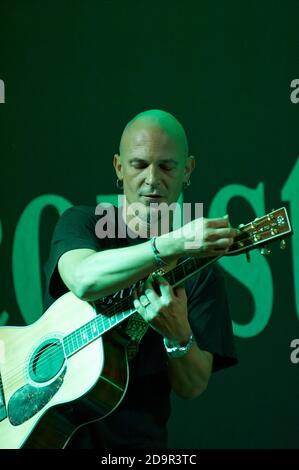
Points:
point(189, 167)
point(117, 163)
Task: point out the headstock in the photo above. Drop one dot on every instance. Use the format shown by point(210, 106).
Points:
point(261, 232)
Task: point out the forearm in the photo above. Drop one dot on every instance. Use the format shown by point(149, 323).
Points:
point(189, 375)
point(104, 272)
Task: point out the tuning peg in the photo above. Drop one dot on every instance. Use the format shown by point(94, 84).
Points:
point(283, 244)
point(265, 251)
point(248, 259)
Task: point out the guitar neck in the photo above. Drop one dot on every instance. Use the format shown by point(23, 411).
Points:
point(124, 308)
point(257, 233)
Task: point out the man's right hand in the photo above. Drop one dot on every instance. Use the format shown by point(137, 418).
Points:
point(200, 238)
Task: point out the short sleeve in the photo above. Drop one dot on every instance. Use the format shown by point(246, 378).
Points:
point(209, 316)
point(75, 229)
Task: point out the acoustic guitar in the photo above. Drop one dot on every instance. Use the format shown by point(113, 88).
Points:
point(70, 367)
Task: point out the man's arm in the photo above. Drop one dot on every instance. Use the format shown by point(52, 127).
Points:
point(189, 375)
point(167, 313)
point(91, 275)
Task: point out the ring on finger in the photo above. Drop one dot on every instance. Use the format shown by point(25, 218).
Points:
point(144, 301)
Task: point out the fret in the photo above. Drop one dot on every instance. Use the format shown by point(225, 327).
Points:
point(113, 320)
point(89, 331)
point(80, 338)
point(176, 276)
point(102, 324)
point(170, 277)
point(94, 329)
point(75, 340)
point(124, 308)
point(66, 346)
point(123, 316)
point(84, 334)
point(72, 343)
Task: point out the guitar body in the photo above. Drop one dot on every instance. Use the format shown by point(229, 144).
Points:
point(70, 367)
point(36, 376)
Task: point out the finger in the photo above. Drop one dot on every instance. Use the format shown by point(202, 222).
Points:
point(221, 233)
point(180, 292)
point(227, 217)
point(135, 295)
point(143, 299)
point(217, 223)
point(151, 295)
point(167, 294)
point(140, 295)
point(147, 313)
point(159, 279)
point(151, 284)
point(222, 244)
point(151, 288)
point(219, 247)
point(137, 305)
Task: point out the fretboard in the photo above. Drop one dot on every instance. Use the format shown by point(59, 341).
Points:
point(124, 308)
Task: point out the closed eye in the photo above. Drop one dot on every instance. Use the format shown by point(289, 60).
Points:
point(166, 167)
point(140, 166)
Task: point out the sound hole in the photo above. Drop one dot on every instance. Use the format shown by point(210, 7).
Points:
point(46, 361)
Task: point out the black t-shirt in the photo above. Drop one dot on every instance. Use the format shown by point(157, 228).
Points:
point(141, 418)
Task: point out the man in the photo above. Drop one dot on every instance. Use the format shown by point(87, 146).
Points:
point(186, 330)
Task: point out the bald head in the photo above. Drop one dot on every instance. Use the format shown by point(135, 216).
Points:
point(153, 160)
point(154, 122)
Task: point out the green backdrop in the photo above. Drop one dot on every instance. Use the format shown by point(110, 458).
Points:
point(73, 74)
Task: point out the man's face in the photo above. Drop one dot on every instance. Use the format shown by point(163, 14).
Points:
point(152, 167)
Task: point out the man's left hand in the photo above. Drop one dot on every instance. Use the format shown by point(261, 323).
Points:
point(166, 310)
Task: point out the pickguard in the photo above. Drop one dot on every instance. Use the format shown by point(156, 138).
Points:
point(29, 400)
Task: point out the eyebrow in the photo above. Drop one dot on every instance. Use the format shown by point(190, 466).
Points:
point(165, 160)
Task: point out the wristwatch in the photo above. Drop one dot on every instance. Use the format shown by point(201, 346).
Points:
point(175, 349)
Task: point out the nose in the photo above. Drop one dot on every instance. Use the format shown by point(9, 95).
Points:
point(152, 176)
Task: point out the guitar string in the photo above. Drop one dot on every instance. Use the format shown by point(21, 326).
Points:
point(100, 322)
point(47, 355)
point(17, 373)
point(106, 323)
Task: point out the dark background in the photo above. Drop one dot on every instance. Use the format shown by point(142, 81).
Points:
point(75, 73)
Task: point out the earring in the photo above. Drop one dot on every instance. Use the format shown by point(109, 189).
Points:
point(119, 184)
point(187, 184)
